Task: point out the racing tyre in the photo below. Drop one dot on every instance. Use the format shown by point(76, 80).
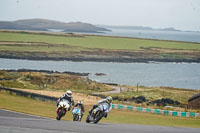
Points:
point(88, 119)
point(75, 117)
point(60, 113)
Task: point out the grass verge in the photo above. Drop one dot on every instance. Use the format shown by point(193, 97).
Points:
point(47, 109)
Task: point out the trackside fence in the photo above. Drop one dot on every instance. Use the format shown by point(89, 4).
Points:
point(28, 94)
point(155, 111)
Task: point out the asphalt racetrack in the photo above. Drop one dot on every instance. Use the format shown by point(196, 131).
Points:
point(13, 122)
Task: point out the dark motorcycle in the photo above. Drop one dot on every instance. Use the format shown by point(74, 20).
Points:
point(98, 113)
point(62, 109)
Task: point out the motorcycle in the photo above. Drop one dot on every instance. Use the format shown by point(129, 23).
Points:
point(98, 113)
point(76, 114)
point(63, 107)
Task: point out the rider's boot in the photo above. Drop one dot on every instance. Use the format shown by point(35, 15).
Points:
point(80, 117)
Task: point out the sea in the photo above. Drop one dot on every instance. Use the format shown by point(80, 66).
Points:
point(177, 75)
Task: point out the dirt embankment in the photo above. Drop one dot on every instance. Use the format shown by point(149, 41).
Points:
point(86, 99)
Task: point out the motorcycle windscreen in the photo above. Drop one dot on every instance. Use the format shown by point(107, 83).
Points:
point(76, 111)
point(105, 107)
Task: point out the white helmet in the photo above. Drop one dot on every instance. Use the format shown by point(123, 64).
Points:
point(69, 93)
point(80, 102)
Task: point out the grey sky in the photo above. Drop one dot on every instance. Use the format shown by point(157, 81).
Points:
point(180, 14)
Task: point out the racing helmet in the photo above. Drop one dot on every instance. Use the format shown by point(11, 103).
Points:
point(69, 93)
point(80, 102)
point(109, 99)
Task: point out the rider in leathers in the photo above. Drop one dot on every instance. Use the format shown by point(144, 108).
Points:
point(81, 106)
point(68, 97)
point(107, 100)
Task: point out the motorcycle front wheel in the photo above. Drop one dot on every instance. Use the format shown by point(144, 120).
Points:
point(59, 115)
point(98, 117)
point(75, 117)
point(88, 119)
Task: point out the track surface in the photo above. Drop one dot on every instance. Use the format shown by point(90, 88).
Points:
point(12, 122)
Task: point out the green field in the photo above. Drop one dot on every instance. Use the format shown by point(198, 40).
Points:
point(38, 47)
point(54, 46)
point(98, 41)
point(47, 109)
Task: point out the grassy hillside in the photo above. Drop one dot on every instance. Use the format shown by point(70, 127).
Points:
point(128, 94)
point(45, 24)
point(54, 81)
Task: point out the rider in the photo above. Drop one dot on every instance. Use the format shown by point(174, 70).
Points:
point(108, 100)
point(81, 106)
point(67, 96)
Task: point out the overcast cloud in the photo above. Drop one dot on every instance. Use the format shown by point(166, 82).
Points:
point(180, 14)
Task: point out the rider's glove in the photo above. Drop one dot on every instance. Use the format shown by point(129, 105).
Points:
point(96, 105)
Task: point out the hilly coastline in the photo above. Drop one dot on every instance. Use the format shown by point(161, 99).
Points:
point(137, 28)
point(45, 25)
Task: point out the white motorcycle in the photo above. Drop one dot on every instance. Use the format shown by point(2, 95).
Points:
point(98, 113)
point(63, 107)
point(76, 112)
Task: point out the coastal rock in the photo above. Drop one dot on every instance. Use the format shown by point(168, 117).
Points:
point(100, 74)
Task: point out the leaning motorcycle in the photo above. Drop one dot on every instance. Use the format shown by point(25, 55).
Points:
point(63, 107)
point(76, 112)
point(98, 113)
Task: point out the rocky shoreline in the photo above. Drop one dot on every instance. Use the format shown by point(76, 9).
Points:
point(50, 72)
point(121, 60)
